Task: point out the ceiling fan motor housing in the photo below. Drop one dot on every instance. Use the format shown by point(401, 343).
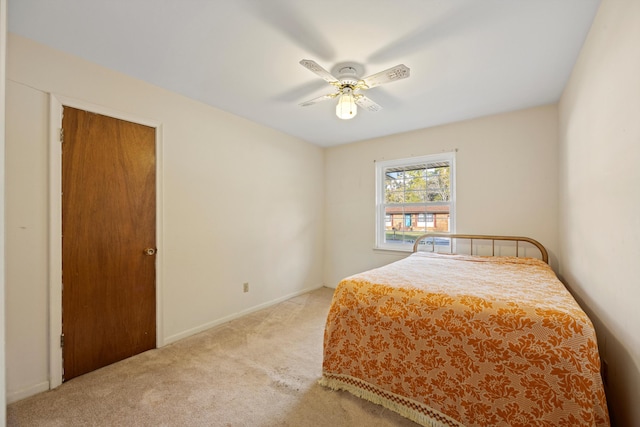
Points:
point(348, 76)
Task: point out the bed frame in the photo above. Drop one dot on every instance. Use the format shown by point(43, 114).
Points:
point(472, 237)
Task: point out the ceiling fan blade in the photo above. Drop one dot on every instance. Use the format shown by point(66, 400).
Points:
point(295, 94)
point(390, 75)
point(313, 66)
point(445, 22)
point(367, 103)
point(320, 98)
point(294, 23)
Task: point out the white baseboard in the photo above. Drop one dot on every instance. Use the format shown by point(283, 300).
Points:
point(14, 396)
point(209, 325)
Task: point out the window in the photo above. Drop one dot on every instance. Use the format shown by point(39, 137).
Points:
point(431, 220)
point(414, 196)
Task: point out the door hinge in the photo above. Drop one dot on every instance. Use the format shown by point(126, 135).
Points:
point(61, 135)
point(61, 340)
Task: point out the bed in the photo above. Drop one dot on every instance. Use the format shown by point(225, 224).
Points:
point(451, 339)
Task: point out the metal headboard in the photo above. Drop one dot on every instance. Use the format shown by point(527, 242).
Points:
point(472, 237)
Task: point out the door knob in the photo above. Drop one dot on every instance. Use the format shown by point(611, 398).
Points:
point(149, 251)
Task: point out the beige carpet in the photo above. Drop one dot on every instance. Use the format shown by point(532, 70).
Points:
point(260, 370)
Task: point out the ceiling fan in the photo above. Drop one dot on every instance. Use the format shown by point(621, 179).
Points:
point(349, 85)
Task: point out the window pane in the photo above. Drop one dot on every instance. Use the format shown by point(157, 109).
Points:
point(438, 184)
point(393, 181)
point(414, 196)
point(394, 188)
point(416, 180)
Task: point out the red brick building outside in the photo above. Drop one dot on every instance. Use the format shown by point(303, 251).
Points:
point(417, 218)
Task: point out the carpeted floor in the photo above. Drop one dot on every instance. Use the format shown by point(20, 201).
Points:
point(260, 370)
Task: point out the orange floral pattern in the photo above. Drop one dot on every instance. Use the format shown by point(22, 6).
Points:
point(450, 340)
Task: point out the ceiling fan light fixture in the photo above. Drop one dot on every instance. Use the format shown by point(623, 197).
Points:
point(346, 108)
point(347, 81)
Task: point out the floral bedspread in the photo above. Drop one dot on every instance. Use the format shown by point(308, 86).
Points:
point(450, 340)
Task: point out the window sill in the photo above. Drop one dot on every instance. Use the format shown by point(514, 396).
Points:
point(393, 251)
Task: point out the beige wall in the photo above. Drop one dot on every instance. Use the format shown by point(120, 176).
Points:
point(213, 163)
point(506, 182)
point(26, 239)
point(599, 118)
point(3, 53)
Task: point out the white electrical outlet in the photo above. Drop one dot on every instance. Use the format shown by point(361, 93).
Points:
point(245, 286)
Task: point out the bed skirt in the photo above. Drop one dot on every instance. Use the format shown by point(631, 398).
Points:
point(408, 408)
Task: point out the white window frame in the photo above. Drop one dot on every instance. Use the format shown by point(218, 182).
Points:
point(381, 166)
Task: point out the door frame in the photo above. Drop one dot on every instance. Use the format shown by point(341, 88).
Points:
point(56, 104)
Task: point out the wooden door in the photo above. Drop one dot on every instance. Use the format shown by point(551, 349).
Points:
point(108, 221)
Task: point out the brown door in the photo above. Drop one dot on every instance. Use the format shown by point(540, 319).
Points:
point(108, 220)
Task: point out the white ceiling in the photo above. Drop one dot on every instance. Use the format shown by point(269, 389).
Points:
point(468, 58)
